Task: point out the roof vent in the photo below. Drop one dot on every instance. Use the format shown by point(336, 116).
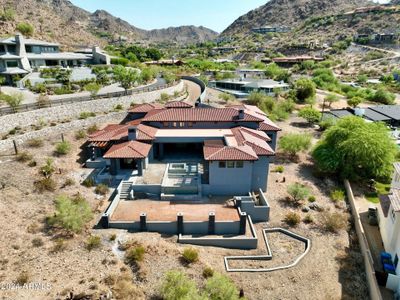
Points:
point(241, 114)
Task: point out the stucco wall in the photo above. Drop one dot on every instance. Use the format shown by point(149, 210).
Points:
point(260, 174)
point(225, 181)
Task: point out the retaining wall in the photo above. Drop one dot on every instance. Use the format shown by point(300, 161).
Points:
point(373, 286)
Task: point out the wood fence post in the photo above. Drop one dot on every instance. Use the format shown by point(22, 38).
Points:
point(15, 147)
point(62, 137)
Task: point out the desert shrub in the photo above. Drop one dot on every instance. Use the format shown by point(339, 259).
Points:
point(226, 97)
point(135, 254)
point(59, 245)
point(304, 89)
point(382, 96)
point(25, 28)
point(278, 169)
point(221, 287)
point(312, 199)
point(23, 157)
point(113, 237)
point(45, 184)
point(47, 169)
point(68, 182)
point(37, 242)
point(208, 272)
point(101, 189)
point(88, 182)
point(311, 115)
point(92, 129)
point(294, 143)
point(22, 278)
point(32, 163)
point(43, 101)
point(124, 289)
point(80, 134)
point(164, 97)
point(85, 114)
point(298, 192)
point(35, 143)
point(308, 219)
point(118, 107)
point(292, 219)
point(190, 255)
point(93, 242)
point(176, 285)
point(334, 222)
point(337, 195)
point(63, 148)
point(71, 214)
point(327, 123)
point(93, 88)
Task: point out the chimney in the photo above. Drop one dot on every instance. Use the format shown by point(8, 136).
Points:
point(132, 133)
point(241, 114)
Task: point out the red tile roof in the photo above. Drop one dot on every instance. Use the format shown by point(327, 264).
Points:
point(200, 115)
point(112, 132)
point(145, 107)
point(178, 104)
point(266, 125)
point(258, 142)
point(145, 133)
point(215, 152)
point(131, 149)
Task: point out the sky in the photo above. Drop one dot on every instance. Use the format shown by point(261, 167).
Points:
point(155, 14)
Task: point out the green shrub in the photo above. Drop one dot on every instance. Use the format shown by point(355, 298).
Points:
point(308, 219)
point(294, 143)
point(327, 123)
point(176, 285)
point(37, 242)
point(279, 169)
point(312, 199)
point(63, 148)
point(113, 237)
point(101, 189)
point(25, 28)
point(71, 214)
point(298, 192)
point(92, 129)
point(292, 219)
point(208, 272)
point(23, 157)
point(80, 134)
point(311, 115)
point(59, 245)
point(93, 88)
point(135, 254)
point(47, 169)
point(337, 195)
point(35, 143)
point(32, 163)
point(221, 287)
point(84, 115)
point(68, 182)
point(118, 107)
point(190, 255)
point(93, 242)
point(88, 182)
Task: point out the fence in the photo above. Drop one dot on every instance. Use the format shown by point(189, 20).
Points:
point(59, 102)
point(373, 286)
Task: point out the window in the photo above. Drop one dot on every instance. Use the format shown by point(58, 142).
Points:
point(231, 164)
point(181, 124)
point(11, 48)
point(222, 164)
point(174, 124)
point(190, 124)
point(12, 64)
point(239, 164)
point(2, 48)
point(166, 124)
point(396, 261)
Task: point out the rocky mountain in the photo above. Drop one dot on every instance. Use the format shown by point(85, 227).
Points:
point(61, 21)
point(289, 13)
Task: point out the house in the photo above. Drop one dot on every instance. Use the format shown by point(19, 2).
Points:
point(222, 151)
point(165, 62)
point(289, 61)
point(271, 29)
point(251, 73)
point(19, 56)
point(389, 225)
point(242, 88)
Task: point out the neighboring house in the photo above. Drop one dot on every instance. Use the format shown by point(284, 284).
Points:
point(231, 145)
point(242, 88)
point(19, 56)
point(289, 61)
point(389, 224)
point(271, 29)
point(251, 73)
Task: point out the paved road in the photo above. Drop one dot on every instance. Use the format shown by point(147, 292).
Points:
point(194, 91)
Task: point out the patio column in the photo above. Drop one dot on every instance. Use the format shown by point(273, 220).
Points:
point(113, 167)
point(243, 222)
point(179, 218)
point(161, 151)
point(143, 222)
point(211, 223)
point(140, 167)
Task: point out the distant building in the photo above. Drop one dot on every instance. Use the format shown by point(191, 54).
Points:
point(19, 56)
point(166, 62)
point(292, 60)
point(376, 38)
point(271, 29)
point(241, 88)
point(251, 73)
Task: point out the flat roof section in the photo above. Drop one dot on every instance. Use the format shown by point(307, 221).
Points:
point(130, 211)
point(391, 111)
point(192, 133)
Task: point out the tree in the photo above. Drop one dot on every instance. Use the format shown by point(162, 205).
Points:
point(304, 89)
point(71, 214)
point(14, 100)
point(153, 54)
point(147, 75)
point(176, 286)
point(382, 96)
point(126, 77)
point(93, 88)
point(220, 287)
point(331, 98)
point(25, 28)
point(226, 97)
point(356, 149)
point(310, 114)
point(293, 143)
point(355, 101)
point(298, 192)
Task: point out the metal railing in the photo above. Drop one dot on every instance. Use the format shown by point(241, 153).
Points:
point(71, 100)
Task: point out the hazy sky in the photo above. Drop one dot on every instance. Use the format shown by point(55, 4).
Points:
point(152, 14)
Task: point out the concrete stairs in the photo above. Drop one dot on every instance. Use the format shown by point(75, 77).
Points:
point(125, 191)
